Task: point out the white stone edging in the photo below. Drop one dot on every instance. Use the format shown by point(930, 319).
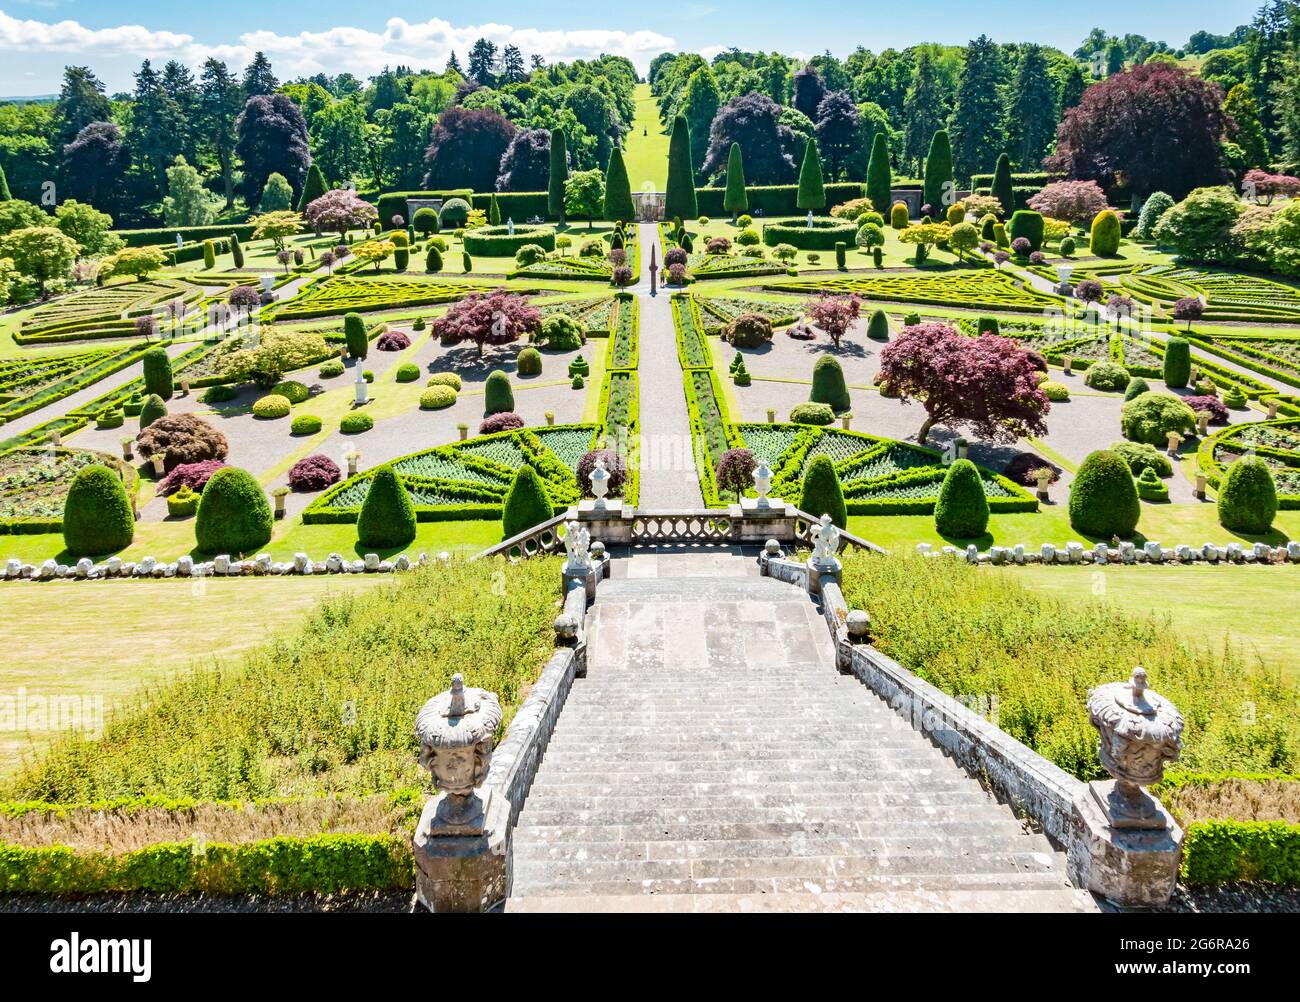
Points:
point(262, 565)
point(1126, 554)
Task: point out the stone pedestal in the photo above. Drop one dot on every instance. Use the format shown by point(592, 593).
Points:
point(456, 867)
point(595, 510)
point(1133, 867)
point(819, 571)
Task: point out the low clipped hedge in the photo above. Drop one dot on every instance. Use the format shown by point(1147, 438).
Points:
point(498, 241)
point(1221, 852)
point(355, 423)
point(774, 199)
point(824, 234)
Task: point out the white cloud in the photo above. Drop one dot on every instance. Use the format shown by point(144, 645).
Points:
point(359, 51)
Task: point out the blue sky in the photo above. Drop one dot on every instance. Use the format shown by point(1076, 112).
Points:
point(38, 37)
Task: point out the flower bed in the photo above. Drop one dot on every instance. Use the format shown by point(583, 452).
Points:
point(29, 383)
point(718, 311)
point(34, 485)
point(1276, 443)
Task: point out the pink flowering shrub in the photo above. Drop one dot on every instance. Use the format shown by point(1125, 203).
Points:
point(1074, 201)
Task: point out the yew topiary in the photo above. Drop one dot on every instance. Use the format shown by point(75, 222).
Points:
point(962, 510)
point(152, 409)
point(878, 326)
point(1248, 497)
point(1152, 416)
point(354, 333)
point(828, 386)
point(1178, 363)
point(234, 515)
point(1106, 233)
point(498, 397)
point(157, 373)
point(387, 519)
point(1103, 498)
point(529, 362)
point(821, 493)
point(97, 515)
point(818, 414)
point(526, 503)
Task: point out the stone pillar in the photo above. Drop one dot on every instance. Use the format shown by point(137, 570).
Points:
point(1129, 847)
point(456, 869)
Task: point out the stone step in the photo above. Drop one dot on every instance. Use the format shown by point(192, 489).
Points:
point(577, 835)
point(590, 798)
point(805, 817)
point(914, 900)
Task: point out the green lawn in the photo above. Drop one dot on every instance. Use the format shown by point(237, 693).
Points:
point(646, 155)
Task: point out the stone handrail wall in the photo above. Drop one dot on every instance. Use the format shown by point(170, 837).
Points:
point(540, 540)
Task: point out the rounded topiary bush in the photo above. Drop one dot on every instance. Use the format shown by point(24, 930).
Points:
point(393, 341)
point(1103, 497)
point(1106, 233)
point(271, 407)
point(314, 473)
point(152, 409)
point(1150, 488)
point(436, 398)
point(1136, 387)
point(820, 493)
point(387, 519)
point(529, 362)
point(1178, 363)
point(445, 379)
point(1107, 376)
point(1054, 391)
point(561, 333)
point(614, 465)
point(1026, 225)
point(526, 503)
point(1141, 456)
point(292, 391)
point(828, 386)
point(498, 397)
point(407, 372)
point(878, 326)
point(1152, 416)
point(356, 422)
point(218, 394)
point(157, 372)
point(749, 330)
point(505, 421)
point(306, 424)
point(234, 515)
point(182, 438)
point(332, 368)
point(1247, 497)
point(97, 515)
point(812, 413)
point(962, 510)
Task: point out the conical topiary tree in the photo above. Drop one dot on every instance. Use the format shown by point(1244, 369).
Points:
point(4, 186)
point(821, 494)
point(679, 202)
point(878, 326)
point(354, 335)
point(494, 211)
point(880, 176)
point(735, 199)
point(1103, 498)
point(962, 511)
point(618, 190)
point(828, 386)
point(559, 173)
point(234, 515)
point(236, 251)
point(1248, 497)
point(812, 190)
point(1003, 189)
point(97, 516)
point(526, 504)
point(938, 172)
point(313, 188)
point(158, 373)
point(387, 519)
point(498, 397)
point(152, 410)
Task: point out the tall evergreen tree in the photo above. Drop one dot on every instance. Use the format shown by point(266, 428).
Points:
point(618, 190)
point(809, 89)
point(482, 62)
point(680, 198)
point(699, 104)
point(923, 108)
point(812, 192)
point(735, 199)
point(4, 186)
point(976, 129)
point(258, 78)
point(1073, 84)
point(939, 179)
point(1003, 189)
point(1240, 106)
point(880, 176)
point(156, 131)
point(559, 173)
point(453, 64)
point(178, 84)
point(81, 102)
point(1031, 112)
point(313, 188)
point(220, 101)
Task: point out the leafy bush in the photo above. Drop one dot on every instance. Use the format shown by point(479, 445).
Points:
point(504, 421)
point(1139, 456)
point(1068, 247)
point(529, 362)
point(97, 515)
point(194, 476)
point(820, 492)
point(526, 503)
point(962, 510)
point(1107, 376)
point(305, 424)
point(1152, 416)
point(1211, 405)
point(271, 407)
point(182, 438)
point(234, 515)
point(314, 473)
point(219, 393)
point(1234, 399)
point(1054, 391)
point(158, 373)
point(1023, 469)
point(828, 386)
point(152, 409)
point(498, 397)
point(614, 464)
point(387, 519)
point(356, 422)
point(1103, 498)
point(332, 368)
point(812, 413)
point(1136, 387)
point(749, 330)
point(445, 379)
point(1152, 211)
point(1248, 497)
point(393, 341)
point(438, 397)
point(561, 333)
point(292, 390)
point(529, 254)
point(407, 372)
point(898, 216)
point(1178, 363)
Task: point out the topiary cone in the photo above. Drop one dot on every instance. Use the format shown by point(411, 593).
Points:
point(821, 493)
point(1103, 498)
point(962, 511)
point(828, 386)
point(526, 503)
point(498, 397)
point(97, 515)
point(387, 519)
point(234, 515)
point(152, 410)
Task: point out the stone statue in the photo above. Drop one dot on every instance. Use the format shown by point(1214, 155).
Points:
point(577, 543)
point(510, 225)
point(826, 542)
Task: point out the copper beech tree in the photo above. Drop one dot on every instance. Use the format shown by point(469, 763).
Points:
point(987, 382)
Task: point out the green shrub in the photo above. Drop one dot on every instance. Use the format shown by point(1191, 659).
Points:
point(332, 368)
point(354, 334)
point(1140, 456)
point(97, 515)
point(962, 510)
point(305, 424)
point(1136, 387)
point(1178, 363)
point(1054, 391)
point(1027, 224)
point(387, 519)
point(220, 393)
point(152, 409)
point(878, 326)
point(561, 333)
point(1106, 233)
point(407, 372)
point(528, 363)
point(356, 422)
point(158, 372)
point(898, 216)
point(529, 254)
point(1000, 236)
point(1103, 497)
point(184, 503)
point(1247, 497)
point(445, 379)
point(1068, 247)
point(820, 492)
point(841, 255)
point(433, 260)
point(498, 397)
point(437, 397)
point(1107, 376)
point(292, 391)
point(749, 330)
point(578, 381)
point(1150, 488)
point(1152, 416)
point(819, 414)
point(467, 262)
point(209, 255)
point(234, 515)
point(1234, 399)
point(110, 419)
point(526, 503)
point(828, 386)
point(271, 407)
point(988, 325)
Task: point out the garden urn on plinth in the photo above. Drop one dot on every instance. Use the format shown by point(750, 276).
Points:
point(455, 870)
point(1130, 845)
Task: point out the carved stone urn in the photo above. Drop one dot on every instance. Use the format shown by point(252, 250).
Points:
point(600, 483)
point(456, 730)
point(1140, 731)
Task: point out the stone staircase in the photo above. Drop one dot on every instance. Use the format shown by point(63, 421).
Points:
point(713, 759)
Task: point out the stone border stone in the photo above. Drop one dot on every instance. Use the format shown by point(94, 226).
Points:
point(1125, 554)
point(224, 565)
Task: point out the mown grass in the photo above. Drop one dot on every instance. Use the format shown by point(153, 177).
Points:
point(976, 634)
point(329, 707)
